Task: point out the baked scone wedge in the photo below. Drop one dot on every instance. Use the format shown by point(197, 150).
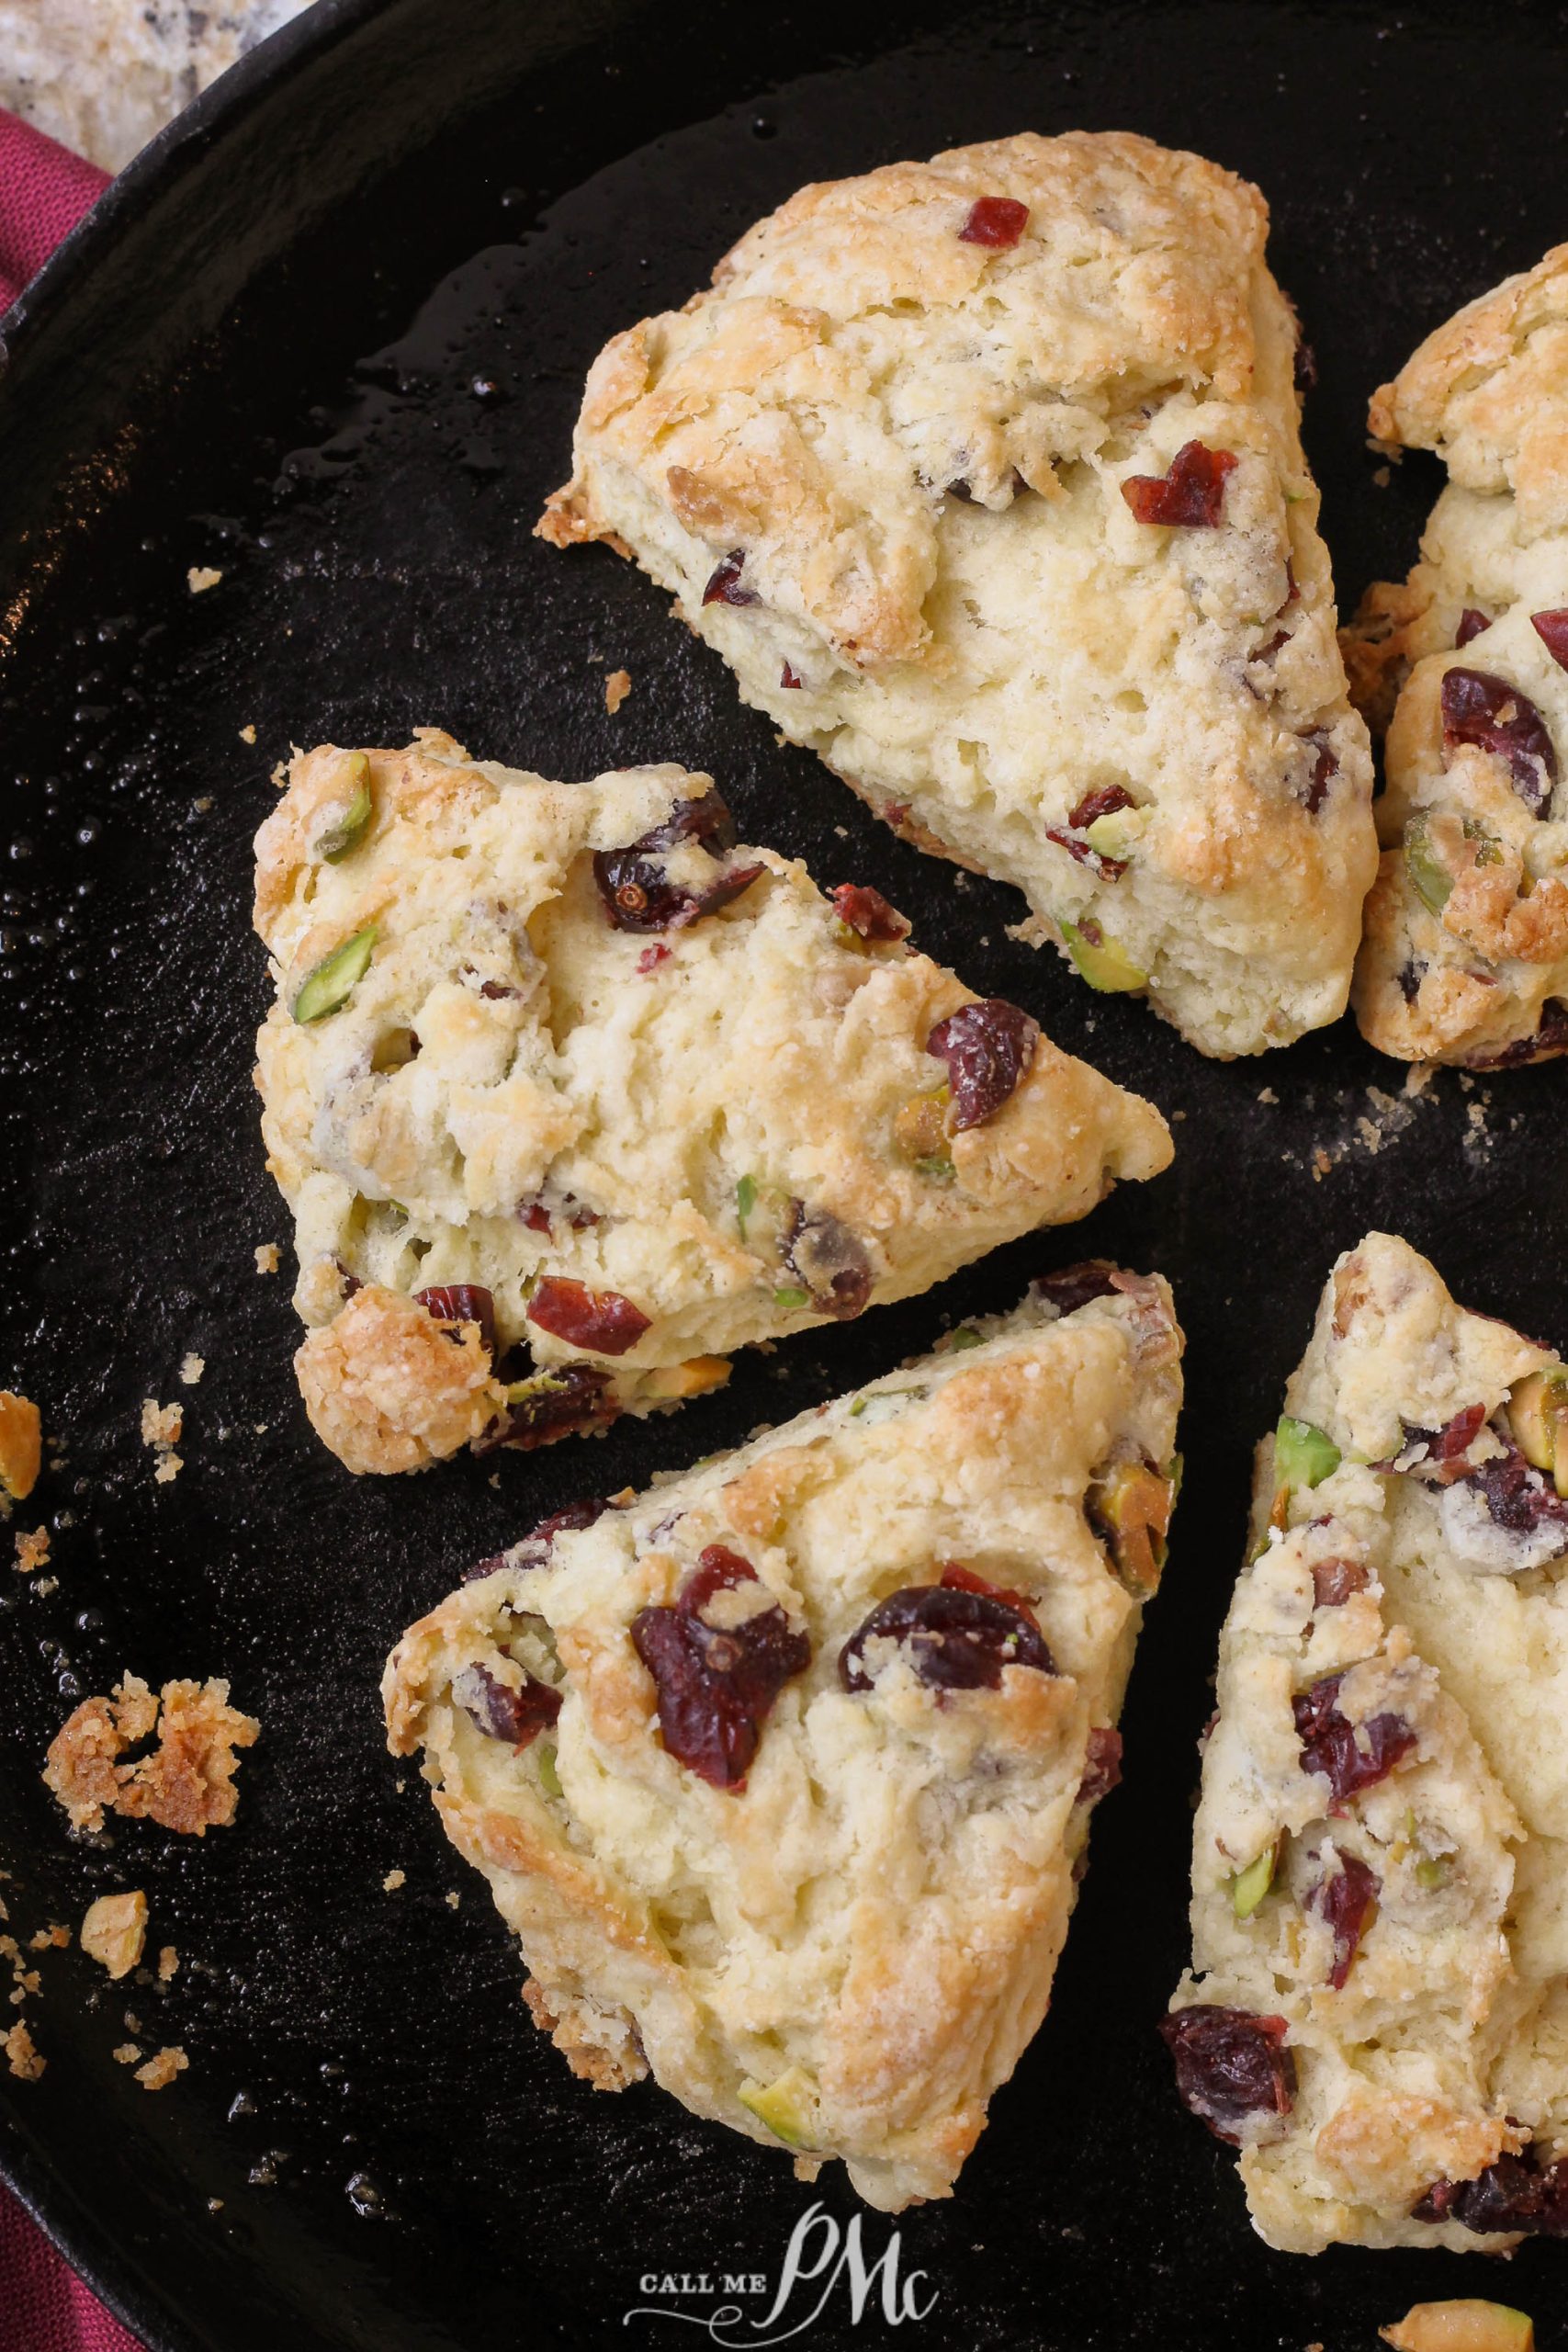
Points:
point(570, 1096)
point(782, 1772)
point(1466, 952)
point(1377, 2010)
point(985, 477)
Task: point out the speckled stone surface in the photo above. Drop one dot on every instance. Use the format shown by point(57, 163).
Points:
point(103, 75)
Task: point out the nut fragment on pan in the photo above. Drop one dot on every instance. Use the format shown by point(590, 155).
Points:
point(570, 1096)
point(985, 476)
point(1466, 952)
point(782, 1772)
point(1377, 2013)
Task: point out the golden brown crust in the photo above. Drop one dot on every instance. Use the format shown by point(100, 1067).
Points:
point(187, 1783)
point(849, 1951)
point(914, 447)
point(21, 1445)
point(388, 1388)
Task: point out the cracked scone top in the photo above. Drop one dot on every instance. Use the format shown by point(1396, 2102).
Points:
point(1378, 2011)
point(557, 1072)
point(1466, 952)
point(985, 477)
point(781, 1772)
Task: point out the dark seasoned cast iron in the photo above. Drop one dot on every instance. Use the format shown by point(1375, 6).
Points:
point(269, 357)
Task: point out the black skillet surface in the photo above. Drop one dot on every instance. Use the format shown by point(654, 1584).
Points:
point(372, 2146)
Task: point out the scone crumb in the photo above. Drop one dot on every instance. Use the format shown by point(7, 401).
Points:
point(159, 2071)
point(191, 1368)
point(1266, 1094)
point(126, 2053)
point(168, 1470)
point(248, 734)
point(32, 1551)
point(20, 2055)
point(393, 1880)
point(617, 687)
point(453, 1898)
point(1322, 1165)
point(114, 1929)
point(21, 1445)
point(267, 1257)
point(200, 577)
point(161, 1424)
point(168, 1963)
point(49, 1938)
point(185, 1784)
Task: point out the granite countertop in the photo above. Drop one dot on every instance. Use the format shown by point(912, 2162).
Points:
point(103, 75)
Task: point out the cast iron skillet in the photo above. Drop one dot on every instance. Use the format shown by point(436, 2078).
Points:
point(261, 355)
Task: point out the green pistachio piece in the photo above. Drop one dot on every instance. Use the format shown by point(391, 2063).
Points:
point(966, 1337)
point(1430, 876)
point(1538, 1412)
point(783, 2105)
point(339, 839)
point(1104, 965)
point(335, 977)
point(1431, 1872)
point(549, 1778)
point(938, 1169)
point(790, 1299)
point(1118, 832)
point(1249, 1886)
point(1303, 1455)
point(745, 1202)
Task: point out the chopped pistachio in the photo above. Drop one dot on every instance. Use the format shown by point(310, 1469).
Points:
point(1102, 961)
point(1538, 1412)
point(745, 1202)
point(1130, 1506)
point(1118, 832)
point(549, 1778)
point(348, 831)
point(1431, 1872)
point(329, 987)
point(791, 1298)
point(964, 1336)
point(1304, 1454)
point(920, 1128)
point(784, 2105)
point(1432, 881)
point(938, 1169)
point(1249, 1886)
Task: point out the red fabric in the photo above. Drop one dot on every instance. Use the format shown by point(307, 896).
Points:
point(44, 190)
point(43, 2305)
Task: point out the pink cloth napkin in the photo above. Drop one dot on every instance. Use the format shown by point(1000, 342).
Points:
point(44, 190)
point(43, 2305)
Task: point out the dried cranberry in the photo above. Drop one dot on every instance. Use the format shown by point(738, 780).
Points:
point(1551, 627)
point(1325, 768)
point(534, 1216)
point(1346, 1901)
point(963, 1580)
point(987, 1046)
point(570, 1397)
point(501, 1713)
point(1230, 2066)
point(651, 958)
point(1191, 496)
point(787, 677)
point(1304, 366)
point(1102, 1765)
point(1458, 1435)
point(830, 1259)
point(1516, 1496)
point(599, 1319)
point(637, 892)
point(1074, 1286)
point(1105, 800)
point(995, 220)
point(1108, 869)
point(1550, 1039)
point(724, 582)
point(1471, 624)
point(1487, 711)
point(866, 911)
point(533, 1549)
point(496, 991)
point(716, 1685)
point(1333, 1582)
point(1350, 1757)
point(1514, 2194)
point(462, 1303)
point(956, 1639)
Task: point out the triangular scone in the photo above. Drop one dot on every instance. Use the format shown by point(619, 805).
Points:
point(558, 1071)
point(1466, 953)
point(1379, 2012)
point(795, 1820)
point(985, 476)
